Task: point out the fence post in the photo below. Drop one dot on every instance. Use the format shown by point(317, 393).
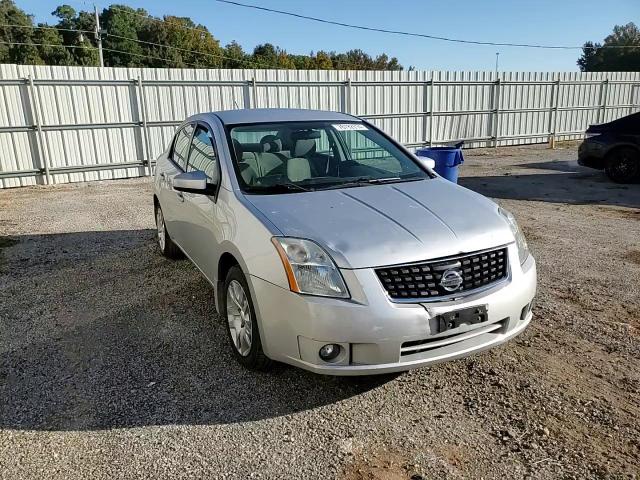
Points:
point(425, 112)
point(246, 95)
point(604, 93)
point(431, 95)
point(145, 133)
point(553, 113)
point(346, 96)
point(254, 88)
point(497, 91)
point(35, 114)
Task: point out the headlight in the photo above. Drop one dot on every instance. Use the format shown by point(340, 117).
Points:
point(521, 242)
point(309, 268)
point(591, 135)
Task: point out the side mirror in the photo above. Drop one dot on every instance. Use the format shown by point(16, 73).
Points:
point(193, 182)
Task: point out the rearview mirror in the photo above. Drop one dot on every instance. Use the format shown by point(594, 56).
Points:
point(193, 182)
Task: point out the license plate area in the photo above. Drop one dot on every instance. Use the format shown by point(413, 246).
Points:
point(466, 316)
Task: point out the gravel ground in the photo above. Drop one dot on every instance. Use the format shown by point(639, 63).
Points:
point(114, 365)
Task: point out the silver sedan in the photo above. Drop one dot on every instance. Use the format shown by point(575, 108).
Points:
point(333, 248)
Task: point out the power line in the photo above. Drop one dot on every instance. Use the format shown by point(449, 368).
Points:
point(144, 55)
point(150, 17)
point(91, 47)
point(186, 27)
point(30, 44)
point(3, 25)
point(6, 25)
point(213, 55)
point(226, 57)
point(414, 34)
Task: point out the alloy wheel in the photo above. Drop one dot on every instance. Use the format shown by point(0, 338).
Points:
point(239, 318)
point(161, 231)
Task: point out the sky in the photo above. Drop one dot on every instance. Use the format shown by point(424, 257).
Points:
point(554, 22)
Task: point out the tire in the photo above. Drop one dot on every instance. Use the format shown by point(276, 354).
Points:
point(165, 244)
point(239, 318)
point(622, 165)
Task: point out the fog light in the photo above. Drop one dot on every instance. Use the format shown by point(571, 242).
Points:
point(329, 352)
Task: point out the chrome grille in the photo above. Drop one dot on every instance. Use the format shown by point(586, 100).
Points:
point(423, 280)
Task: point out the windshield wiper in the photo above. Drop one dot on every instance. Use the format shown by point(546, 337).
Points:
point(278, 188)
point(364, 181)
point(384, 180)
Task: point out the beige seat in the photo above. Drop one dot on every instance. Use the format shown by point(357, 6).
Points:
point(270, 161)
point(299, 167)
point(247, 164)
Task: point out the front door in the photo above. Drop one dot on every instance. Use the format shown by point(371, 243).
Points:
point(172, 202)
point(202, 234)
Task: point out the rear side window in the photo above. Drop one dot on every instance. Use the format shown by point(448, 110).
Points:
point(202, 155)
point(181, 146)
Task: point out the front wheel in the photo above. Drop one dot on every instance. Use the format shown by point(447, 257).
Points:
point(239, 316)
point(166, 245)
point(623, 165)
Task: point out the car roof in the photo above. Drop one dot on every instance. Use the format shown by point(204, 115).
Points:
point(267, 115)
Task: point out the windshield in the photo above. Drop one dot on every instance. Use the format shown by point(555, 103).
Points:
point(304, 156)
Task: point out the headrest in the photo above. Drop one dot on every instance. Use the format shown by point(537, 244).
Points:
point(271, 143)
point(303, 147)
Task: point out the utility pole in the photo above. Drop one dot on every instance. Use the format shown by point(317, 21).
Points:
point(98, 34)
point(497, 57)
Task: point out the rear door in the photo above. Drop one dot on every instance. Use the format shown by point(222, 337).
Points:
point(171, 201)
point(202, 234)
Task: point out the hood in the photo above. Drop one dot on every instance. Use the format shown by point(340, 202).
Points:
point(378, 225)
point(629, 124)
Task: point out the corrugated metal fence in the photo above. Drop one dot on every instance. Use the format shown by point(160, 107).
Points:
point(68, 124)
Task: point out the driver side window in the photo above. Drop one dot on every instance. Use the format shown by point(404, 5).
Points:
point(181, 146)
point(202, 155)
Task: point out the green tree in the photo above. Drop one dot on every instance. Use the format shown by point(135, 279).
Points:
point(323, 61)
point(197, 47)
point(598, 57)
point(81, 46)
point(10, 51)
point(48, 53)
point(133, 39)
point(122, 24)
point(235, 56)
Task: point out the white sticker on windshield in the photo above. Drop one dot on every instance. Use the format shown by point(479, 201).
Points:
point(345, 127)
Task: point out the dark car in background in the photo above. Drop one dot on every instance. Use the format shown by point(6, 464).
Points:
point(614, 147)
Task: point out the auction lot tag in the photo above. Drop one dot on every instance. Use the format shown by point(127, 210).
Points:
point(345, 127)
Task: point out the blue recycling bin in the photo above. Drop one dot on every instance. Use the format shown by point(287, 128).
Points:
point(447, 159)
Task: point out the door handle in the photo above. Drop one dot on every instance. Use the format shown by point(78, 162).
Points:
point(162, 175)
point(180, 196)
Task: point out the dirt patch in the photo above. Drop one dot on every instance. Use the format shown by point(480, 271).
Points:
point(624, 213)
point(633, 256)
point(531, 233)
point(381, 465)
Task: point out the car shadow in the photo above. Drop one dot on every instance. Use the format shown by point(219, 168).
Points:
point(558, 182)
point(98, 331)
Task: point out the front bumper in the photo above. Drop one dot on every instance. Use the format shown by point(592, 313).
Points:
point(374, 332)
point(591, 154)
